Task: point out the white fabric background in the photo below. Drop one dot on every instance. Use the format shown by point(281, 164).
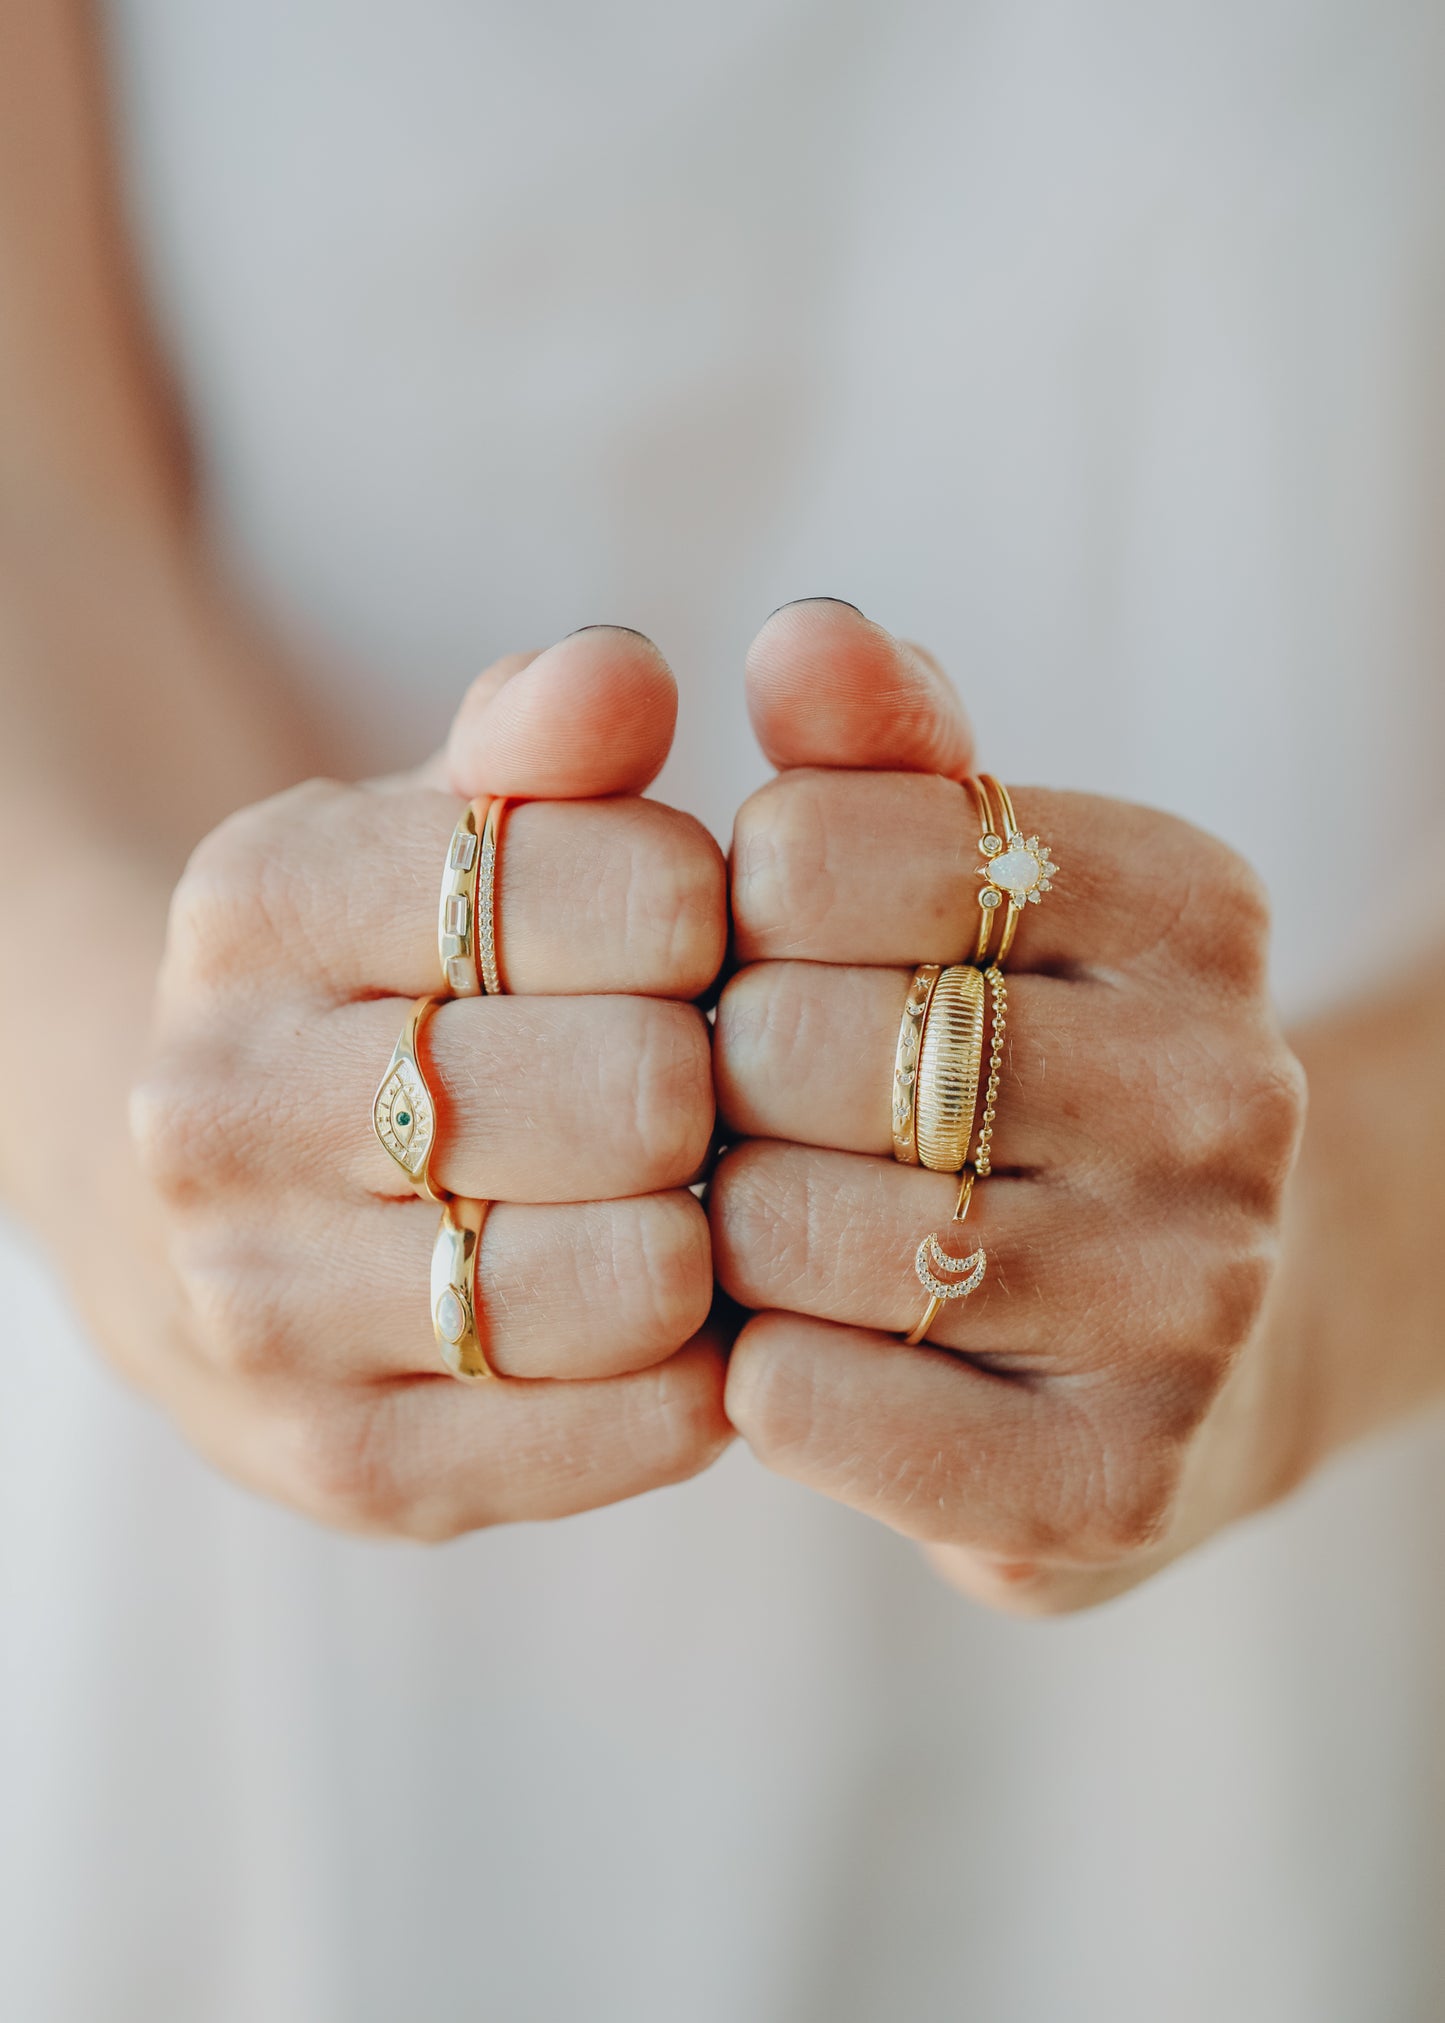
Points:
point(1100, 349)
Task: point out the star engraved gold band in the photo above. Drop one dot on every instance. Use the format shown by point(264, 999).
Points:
point(454, 1261)
point(950, 1055)
point(1016, 868)
point(457, 908)
point(488, 889)
point(905, 1063)
point(943, 1276)
point(404, 1113)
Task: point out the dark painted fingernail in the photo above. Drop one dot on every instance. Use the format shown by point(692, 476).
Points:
point(604, 627)
point(815, 600)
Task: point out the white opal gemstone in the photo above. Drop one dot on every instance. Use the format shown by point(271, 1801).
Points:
point(451, 1317)
point(1017, 871)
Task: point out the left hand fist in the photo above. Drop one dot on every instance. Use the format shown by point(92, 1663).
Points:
point(1105, 1398)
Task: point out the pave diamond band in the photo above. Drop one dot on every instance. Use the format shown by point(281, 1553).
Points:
point(488, 891)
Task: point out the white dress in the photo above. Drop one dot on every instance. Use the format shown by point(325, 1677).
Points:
point(1100, 349)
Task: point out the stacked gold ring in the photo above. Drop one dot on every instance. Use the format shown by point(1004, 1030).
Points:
point(457, 908)
point(950, 1055)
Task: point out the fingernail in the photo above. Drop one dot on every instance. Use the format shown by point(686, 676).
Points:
point(815, 600)
point(604, 627)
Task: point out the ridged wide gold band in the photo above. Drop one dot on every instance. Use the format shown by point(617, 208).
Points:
point(950, 1055)
point(489, 937)
point(457, 908)
point(404, 1112)
point(454, 1259)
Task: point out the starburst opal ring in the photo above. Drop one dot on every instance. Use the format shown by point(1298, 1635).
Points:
point(454, 1260)
point(905, 1063)
point(950, 1054)
point(489, 947)
point(404, 1114)
point(457, 911)
point(1016, 868)
point(943, 1276)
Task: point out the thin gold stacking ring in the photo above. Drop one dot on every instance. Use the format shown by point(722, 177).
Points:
point(455, 1257)
point(488, 887)
point(950, 1055)
point(1016, 868)
point(457, 909)
point(404, 1114)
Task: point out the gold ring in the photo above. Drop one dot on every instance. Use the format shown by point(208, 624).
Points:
point(931, 1259)
point(457, 911)
point(454, 1260)
point(1016, 868)
point(950, 1055)
point(905, 1063)
point(489, 935)
point(404, 1114)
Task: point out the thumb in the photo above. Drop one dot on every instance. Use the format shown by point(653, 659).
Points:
point(828, 687)
point(592, 715)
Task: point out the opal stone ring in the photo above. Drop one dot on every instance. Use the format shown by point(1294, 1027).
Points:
point(454, 1259)
point(1016, 869)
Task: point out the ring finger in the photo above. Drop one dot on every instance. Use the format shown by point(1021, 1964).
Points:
point(598, 1289)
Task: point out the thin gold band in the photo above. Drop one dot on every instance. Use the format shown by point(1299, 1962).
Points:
point(950, 1055)
point(457, 908)
point(455, 1257)
point(488, 889)
point(404, 1112)
point(905, 1062)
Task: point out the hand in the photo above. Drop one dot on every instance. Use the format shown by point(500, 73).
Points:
point(298, 1349)
point(1110, 1394)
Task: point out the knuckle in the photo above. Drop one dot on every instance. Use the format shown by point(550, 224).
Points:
point(673, 1269)
point(670, 1079)
point(783, 880)
point(336, 1457)
point(761, 1242)
point(678, 1423)
point(236, 898)
point(675, 896)
point(762, 1032)
point(1228, 913)
point(238, 1311)
point(177, 1130)
point(1233, 1108)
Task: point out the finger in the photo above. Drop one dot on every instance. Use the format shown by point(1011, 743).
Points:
point(827, 687)
point(592, 715)
point(430, 1459)
point(805, 1051)
point(882, 868)
point(586, 1291)
point(339, 888)
point(944, 1452)
point(1072, 1284)
point(538, 1099)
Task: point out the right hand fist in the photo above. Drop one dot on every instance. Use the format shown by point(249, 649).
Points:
point(303, 1356)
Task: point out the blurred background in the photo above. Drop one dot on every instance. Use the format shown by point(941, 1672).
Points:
point(1097, 348)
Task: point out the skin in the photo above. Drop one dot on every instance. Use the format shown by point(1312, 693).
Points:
point(207, 963)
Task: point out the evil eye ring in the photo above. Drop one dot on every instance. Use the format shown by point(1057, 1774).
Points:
point(404, 1114)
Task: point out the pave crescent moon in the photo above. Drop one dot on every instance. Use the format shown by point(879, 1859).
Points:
point(931, 1259)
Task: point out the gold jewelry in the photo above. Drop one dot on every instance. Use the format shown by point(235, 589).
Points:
point(905, 1063)
point(487, 887)
point(931, 1258)
point(983, 1157)
point(950, 1054)
point(1016, 868)
point(404, 1114)
point(457, 911)
point(454, 1260)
